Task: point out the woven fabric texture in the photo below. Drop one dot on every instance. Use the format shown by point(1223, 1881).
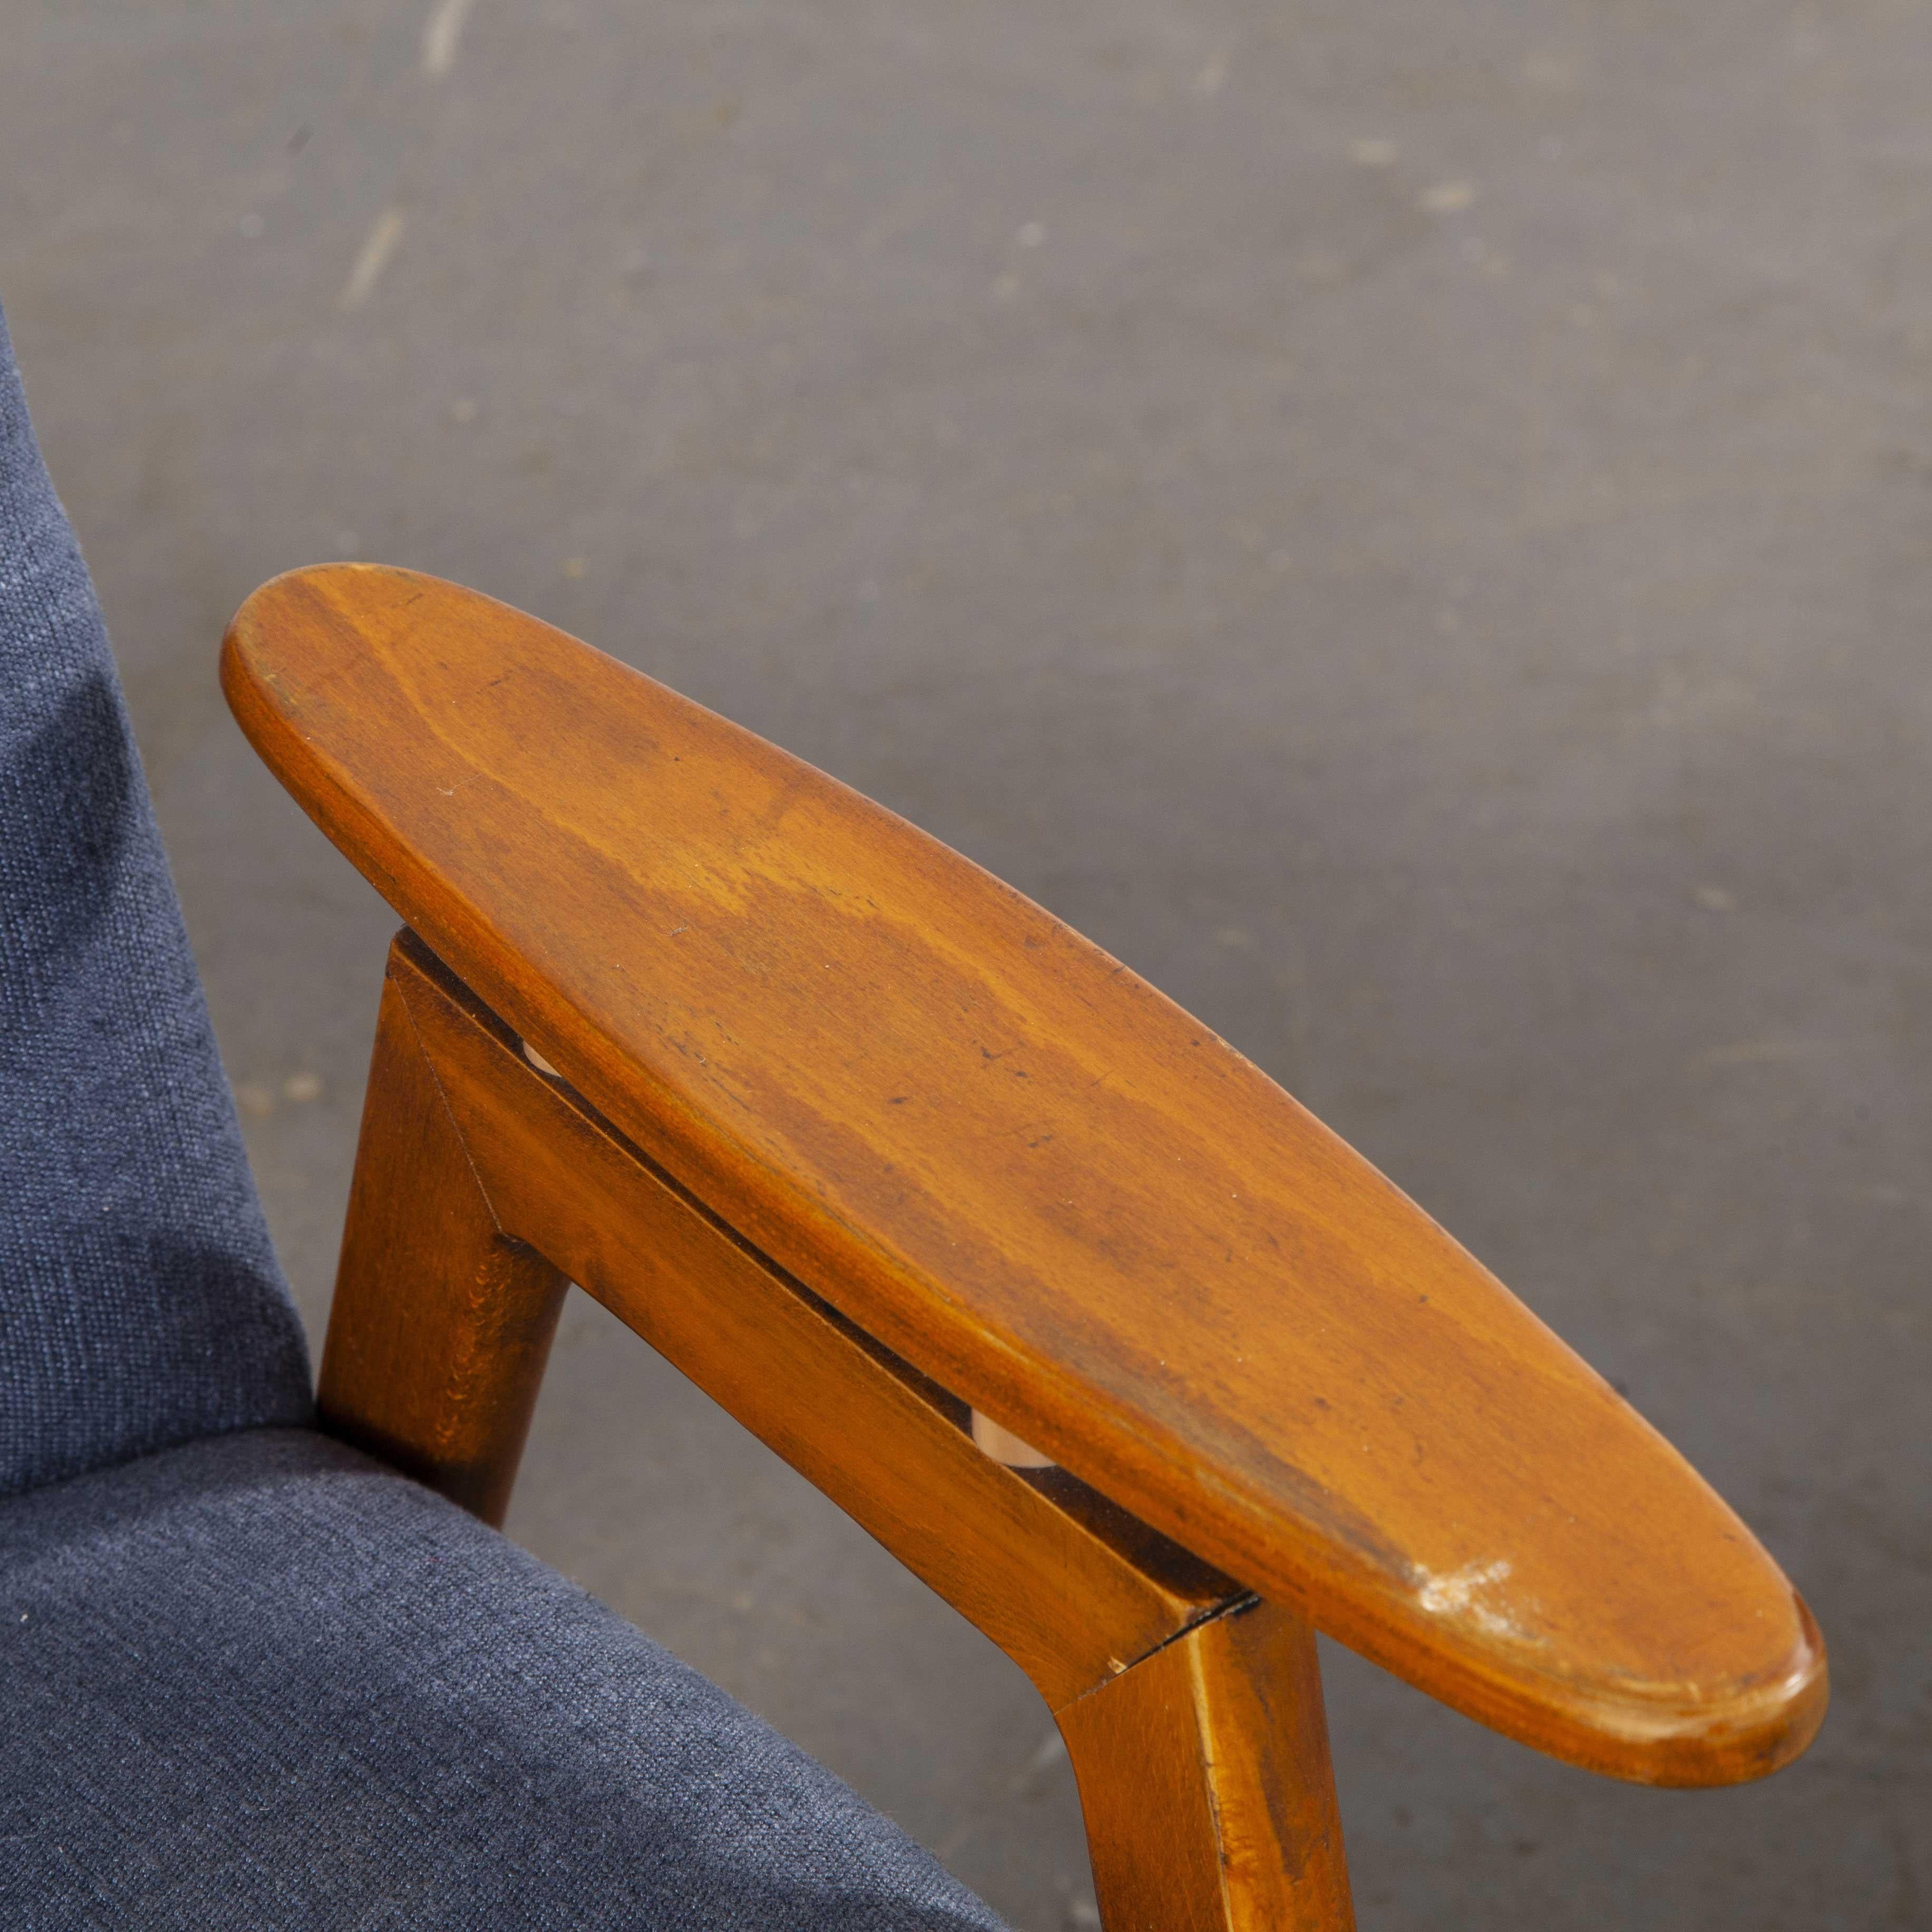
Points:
point(259, 1681)
point(140, 1303)
point(248, 1678)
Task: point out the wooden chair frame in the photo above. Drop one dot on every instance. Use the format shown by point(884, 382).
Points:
point(856, 1137)
point(1191, 1710)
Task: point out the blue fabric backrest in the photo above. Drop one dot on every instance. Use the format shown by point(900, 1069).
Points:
point(140, 1302)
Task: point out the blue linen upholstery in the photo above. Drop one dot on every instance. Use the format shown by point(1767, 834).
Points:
point(249, 1680)
point(260, 1681)
point(140, 1303)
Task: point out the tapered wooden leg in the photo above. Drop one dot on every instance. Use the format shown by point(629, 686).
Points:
point(1205, 1781)
point(442, 1324)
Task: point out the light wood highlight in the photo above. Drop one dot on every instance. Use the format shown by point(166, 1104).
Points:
point(1003, 1446)
point(1029, 1175)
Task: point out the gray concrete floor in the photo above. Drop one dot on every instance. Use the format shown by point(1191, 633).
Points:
point(1410, 524)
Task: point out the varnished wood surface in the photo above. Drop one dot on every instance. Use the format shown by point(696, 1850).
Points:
point(1030, 1174)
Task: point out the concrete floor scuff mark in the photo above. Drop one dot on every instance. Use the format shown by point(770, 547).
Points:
point(384, 233)
point(443, 36)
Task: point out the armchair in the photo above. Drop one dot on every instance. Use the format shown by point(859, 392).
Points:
point(1067, 1304)
point(249, 1677)
point(911, 1177)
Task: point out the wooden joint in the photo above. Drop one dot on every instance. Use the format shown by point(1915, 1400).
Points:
point(1228, 1821)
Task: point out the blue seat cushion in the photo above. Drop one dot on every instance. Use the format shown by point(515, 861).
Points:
point(259, 1681)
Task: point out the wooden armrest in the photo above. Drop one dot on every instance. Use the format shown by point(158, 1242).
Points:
point(1015, 1164)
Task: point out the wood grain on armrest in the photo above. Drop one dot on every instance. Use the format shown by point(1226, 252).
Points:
point(1026, 1171)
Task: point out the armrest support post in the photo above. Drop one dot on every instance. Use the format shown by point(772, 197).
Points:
point(442, 1323)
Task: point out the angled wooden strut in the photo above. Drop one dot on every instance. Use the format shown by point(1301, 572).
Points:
point(1191, 1711)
